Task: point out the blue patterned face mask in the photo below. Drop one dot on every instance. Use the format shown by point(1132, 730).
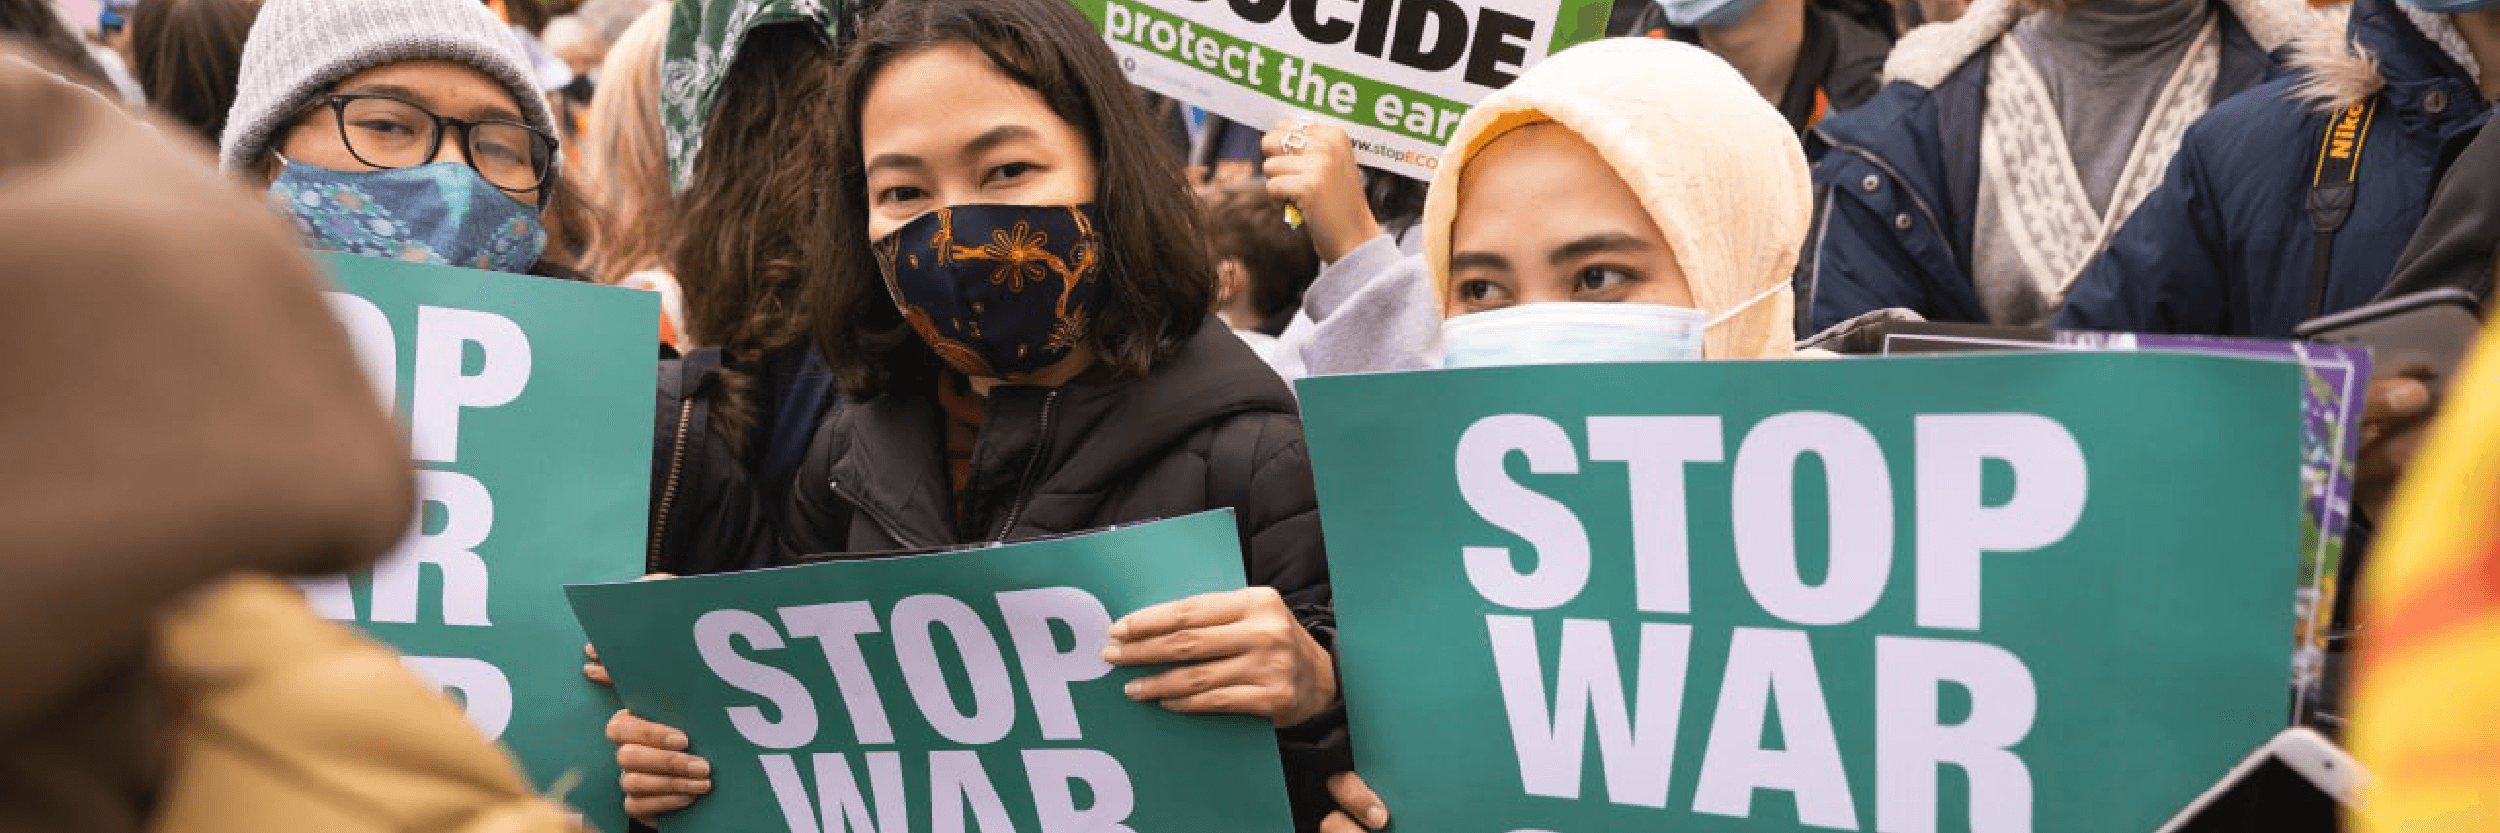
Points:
point(442, 213)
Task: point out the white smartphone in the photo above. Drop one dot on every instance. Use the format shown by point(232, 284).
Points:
point(2300, 782)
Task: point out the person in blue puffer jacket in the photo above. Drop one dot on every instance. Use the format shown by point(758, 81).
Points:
point(2228, 246)
point(2007, 146)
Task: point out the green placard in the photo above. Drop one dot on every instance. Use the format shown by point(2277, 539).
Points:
point(528, 402)
point(940, 692)
point(1988, 593)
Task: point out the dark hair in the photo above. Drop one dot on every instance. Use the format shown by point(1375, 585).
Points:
point(748, 222)
point(571, 221)
point(1395, 199)
point(33, 24)
point(1245, 226)
point(187, 54)
point(1161, 284)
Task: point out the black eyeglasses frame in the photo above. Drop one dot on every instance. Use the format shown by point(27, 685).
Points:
point(337, 102)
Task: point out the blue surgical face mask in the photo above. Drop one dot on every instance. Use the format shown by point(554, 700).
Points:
point(1573, 332)
point(441, 213)
point(1706, 14)
point(1570, 332)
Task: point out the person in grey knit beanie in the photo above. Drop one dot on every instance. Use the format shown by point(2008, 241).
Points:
point(298, 49)
point(449, 59)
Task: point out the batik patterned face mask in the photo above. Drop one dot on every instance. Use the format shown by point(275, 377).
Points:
point(998, 290)
point(441, 213)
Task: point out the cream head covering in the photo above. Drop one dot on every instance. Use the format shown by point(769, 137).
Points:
point(1716, 166)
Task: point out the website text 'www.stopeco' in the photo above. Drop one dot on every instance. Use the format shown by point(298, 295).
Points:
point(1421, 160)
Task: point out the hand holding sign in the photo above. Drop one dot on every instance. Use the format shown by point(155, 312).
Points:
point(1251, 657)
point(1321, 179)
point(656, 774)
point(1354, 801)
point(659, 777)
point(2393, 425)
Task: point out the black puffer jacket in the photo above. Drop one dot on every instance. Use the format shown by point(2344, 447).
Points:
point(711, 500)
point(1213, 426)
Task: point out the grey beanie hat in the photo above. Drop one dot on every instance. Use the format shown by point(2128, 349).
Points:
point(299, 48)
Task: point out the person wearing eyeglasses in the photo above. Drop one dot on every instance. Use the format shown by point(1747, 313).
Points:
point(405, 129)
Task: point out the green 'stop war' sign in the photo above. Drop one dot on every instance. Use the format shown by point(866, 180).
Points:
point(1396, 74)
point(1996, 593)
point(940, 693)
point(528, 402)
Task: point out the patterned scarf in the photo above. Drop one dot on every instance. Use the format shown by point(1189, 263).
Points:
point(703, 40)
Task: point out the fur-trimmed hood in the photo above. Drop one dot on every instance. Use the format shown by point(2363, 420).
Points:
point(2341, 68)
point(1931, 53)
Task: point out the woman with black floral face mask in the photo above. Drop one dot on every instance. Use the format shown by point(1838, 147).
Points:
point(1014, 293)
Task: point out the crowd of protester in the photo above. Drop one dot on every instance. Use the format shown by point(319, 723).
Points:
point(1723, 179)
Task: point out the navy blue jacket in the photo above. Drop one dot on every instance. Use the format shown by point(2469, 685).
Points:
point(1898, 192)
point(2225, 245)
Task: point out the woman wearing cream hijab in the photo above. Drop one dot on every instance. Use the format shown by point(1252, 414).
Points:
point(1625, 200)
point(1621, 170)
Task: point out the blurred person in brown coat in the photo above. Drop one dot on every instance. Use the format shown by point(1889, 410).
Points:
point(182, 408)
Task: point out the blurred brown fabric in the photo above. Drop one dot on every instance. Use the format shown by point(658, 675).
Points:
point(290, 723)
point(180, 406)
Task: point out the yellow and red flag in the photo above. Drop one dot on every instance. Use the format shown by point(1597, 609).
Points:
point(2426, 711)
